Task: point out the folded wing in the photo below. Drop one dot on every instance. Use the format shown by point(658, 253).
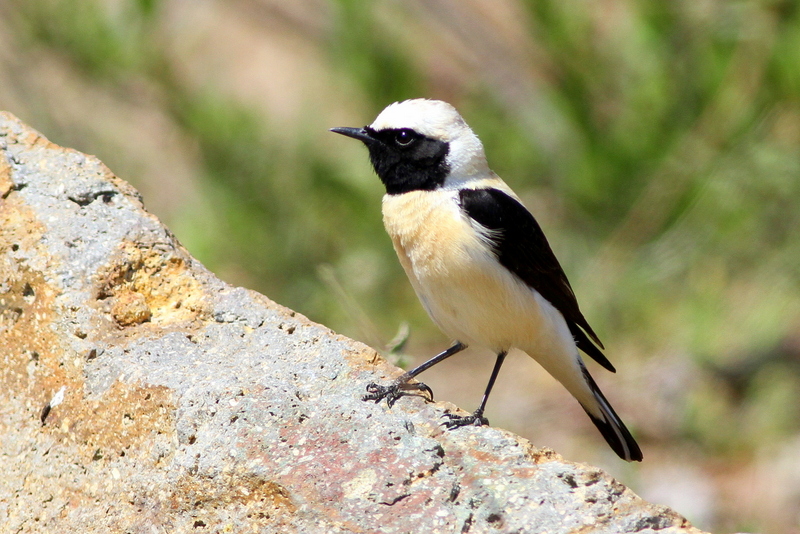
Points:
point(522, 248)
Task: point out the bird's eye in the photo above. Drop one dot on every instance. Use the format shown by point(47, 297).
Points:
point(405, 137)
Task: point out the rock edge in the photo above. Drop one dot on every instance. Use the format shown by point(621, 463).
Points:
point(189, 405)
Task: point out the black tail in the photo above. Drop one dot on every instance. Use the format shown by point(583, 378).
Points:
point(611, 426)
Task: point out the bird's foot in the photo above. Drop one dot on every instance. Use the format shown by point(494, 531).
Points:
point(456, 421)
point(395, 390)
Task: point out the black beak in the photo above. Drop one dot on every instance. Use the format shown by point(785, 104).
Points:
point(356, 133)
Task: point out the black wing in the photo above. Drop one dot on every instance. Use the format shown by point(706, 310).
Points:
point(521, 247)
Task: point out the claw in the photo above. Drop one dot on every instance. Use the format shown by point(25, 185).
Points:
point(375, 392)
point(392, 392)
point(456, 421)
point(424, 387)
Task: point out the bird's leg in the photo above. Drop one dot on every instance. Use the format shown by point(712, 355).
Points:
point(477, 418)
point(400, 387)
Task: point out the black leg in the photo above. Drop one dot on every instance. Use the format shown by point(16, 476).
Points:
point(477, 417)
point(399, 387)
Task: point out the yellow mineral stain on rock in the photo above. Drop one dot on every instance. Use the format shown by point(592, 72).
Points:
point(144, 284)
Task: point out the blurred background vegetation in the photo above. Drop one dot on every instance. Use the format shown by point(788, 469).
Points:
point(658, 144)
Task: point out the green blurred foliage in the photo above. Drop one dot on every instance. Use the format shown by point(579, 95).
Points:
point(667, 177)
point(106, 43)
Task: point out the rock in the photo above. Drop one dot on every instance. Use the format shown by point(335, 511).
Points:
point(142, 394)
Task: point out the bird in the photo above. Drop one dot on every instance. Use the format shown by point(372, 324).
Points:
point(478, 261)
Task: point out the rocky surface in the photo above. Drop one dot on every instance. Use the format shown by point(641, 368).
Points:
point(141, 394)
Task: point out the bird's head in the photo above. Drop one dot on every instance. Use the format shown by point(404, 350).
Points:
point(421, 145)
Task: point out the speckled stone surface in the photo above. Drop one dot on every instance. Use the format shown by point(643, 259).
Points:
point(190, 405)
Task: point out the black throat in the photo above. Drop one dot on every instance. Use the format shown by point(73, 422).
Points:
point(419, 166)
